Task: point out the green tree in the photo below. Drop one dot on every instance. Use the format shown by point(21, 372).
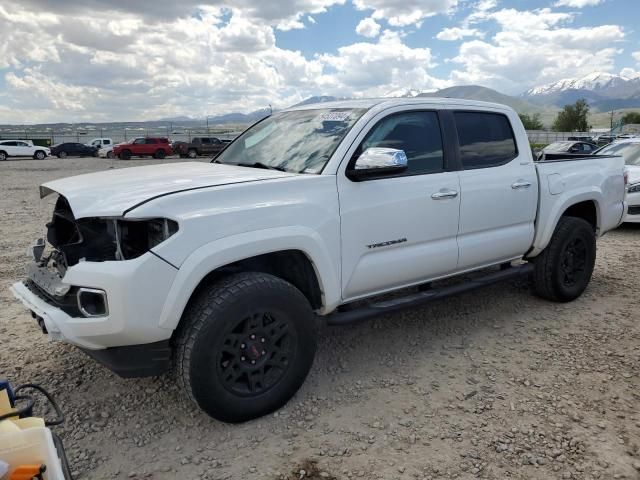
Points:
point(531, 122)
point(631, 117)
point(573, 118)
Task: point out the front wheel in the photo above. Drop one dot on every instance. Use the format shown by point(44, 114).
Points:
point(109, 154)
point(192, 153)
point(563, 270)
point(39, 155)
point(62, 154)
point(125, 155)
point(245, 346)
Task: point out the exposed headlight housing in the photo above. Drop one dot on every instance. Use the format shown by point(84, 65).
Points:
point(136, 237)
point(635, 188)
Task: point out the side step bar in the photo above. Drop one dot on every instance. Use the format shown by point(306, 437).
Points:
point(415, 299)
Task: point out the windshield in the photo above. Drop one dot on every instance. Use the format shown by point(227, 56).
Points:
point(630, 151)
point(557, 146)
point(300, 141)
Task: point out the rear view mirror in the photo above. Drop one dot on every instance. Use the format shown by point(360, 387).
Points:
point(374, 162)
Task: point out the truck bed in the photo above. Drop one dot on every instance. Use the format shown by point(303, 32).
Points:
point(565, 179)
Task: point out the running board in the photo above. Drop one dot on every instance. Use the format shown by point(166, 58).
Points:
point(415, 299)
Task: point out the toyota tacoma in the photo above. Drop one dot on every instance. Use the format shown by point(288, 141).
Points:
point(224, 271)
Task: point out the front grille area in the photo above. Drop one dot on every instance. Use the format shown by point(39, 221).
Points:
point(634, 210)
point(67, 304)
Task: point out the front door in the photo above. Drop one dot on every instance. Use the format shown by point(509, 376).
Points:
point(499, 189)
point(400, 230)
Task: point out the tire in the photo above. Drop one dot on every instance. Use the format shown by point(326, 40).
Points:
point(3, 156)
point(216, 352)
point(192, 153)
point(110, 154)
point(39, 155)
point(62, 154)
point(159, 154)
point(563, 270)
point(125, 155)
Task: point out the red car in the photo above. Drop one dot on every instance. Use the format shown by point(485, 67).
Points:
point(156, 147)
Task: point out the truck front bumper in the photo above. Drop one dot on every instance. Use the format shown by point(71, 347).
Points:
point(127, 339)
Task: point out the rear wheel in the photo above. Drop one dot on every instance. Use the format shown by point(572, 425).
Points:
point(125, 154)
point(39, 155)
point(3, 156)
point(245, 346)
point(159, 154)
point(563, 270)
point(110, 154)
point(192, 153)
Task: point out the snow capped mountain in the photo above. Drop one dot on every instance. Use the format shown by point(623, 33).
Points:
point(596, 82)
point(405, 92)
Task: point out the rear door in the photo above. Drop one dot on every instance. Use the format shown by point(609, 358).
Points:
point(499, 189)
point(10, 148)
point(399, 230)
point(150, 146)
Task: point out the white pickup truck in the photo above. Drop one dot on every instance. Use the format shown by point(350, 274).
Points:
point(224, 270)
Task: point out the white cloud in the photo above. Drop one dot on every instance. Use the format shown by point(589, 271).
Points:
point(400, 13)
point(455, 33)
point(535, 47)
point(636, 55)
point(577, 3)
point(368, 28)
point(372, 69)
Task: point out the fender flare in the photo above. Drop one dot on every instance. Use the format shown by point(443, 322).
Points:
point(558, 208)
point(219, 253)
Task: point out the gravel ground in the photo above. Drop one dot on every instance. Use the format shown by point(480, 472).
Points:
point(491, 384)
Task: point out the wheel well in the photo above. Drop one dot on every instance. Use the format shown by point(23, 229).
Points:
point(293, 266)
point(585, 210)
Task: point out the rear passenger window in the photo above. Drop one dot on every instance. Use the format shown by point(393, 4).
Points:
point(150, 141)
point(486, 139)
point(417, 133)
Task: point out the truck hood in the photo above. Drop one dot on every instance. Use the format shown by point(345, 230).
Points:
point(113, 192)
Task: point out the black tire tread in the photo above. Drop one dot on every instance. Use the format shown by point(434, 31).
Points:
point(208, 301)
point(545, 263)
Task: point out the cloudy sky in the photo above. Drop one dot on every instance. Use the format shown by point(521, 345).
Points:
point(102, 60)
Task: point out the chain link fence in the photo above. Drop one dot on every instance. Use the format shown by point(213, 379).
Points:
point(51, 137)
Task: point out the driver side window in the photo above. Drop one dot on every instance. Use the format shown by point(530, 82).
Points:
point(417, 133)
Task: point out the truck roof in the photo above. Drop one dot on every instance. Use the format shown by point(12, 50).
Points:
point(382, 103)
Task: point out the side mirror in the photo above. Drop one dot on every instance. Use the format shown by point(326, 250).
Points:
point(375, 162)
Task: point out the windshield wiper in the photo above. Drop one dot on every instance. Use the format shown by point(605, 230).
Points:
point(261, 165)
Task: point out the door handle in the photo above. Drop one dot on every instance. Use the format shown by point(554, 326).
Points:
point(520, 184)
point(444, 194)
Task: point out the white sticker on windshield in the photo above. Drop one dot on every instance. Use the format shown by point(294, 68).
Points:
point(334, 116)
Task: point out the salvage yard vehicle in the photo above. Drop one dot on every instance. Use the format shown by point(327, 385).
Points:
point(156, 147)
point(106, 152)
point(225, 270)
point(74, 149)
point(100, 143)
point(199, 146)
point(22, 148)
point(629, 150)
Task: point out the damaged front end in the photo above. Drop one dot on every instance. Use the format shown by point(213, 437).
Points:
point(93, 239)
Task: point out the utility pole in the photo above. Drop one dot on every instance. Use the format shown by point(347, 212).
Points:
point(611, 121)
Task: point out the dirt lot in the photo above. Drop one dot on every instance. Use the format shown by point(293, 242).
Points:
point(493, 384)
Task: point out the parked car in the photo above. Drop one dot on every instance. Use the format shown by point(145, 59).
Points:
point(22, 148)
point(570, 147)
point(106, 152)
point(199, 146)
point(156, 147)
point(581, 139)
point(605, 139)
point(225, 269)
point(72, 149)
point(629, 149)
point(100, 143)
